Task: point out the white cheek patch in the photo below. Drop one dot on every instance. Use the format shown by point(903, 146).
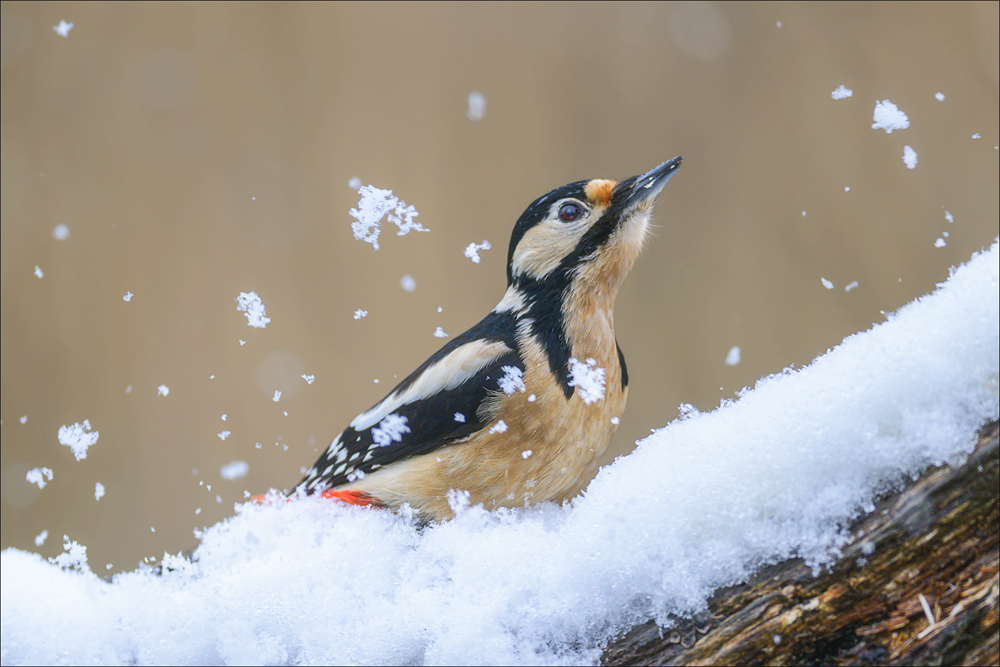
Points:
point(448, 373)
point(544, 246)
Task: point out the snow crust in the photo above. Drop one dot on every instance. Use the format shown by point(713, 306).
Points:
point(700, 504)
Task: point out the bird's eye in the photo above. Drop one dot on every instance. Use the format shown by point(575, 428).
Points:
point(570, 212)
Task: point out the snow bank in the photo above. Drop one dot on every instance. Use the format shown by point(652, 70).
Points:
point(700, 504)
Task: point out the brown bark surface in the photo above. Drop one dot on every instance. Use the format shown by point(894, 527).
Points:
point(918, 585)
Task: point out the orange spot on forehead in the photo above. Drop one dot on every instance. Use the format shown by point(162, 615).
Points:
point(598, 191)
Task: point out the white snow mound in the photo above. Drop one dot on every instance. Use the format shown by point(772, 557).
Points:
point(700, 504)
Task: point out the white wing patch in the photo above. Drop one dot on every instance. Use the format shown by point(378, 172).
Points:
point(448, 373)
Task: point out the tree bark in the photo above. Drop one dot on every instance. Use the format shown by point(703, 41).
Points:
point(917, 586)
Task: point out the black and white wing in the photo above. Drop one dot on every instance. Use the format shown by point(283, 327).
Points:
point(440, 403)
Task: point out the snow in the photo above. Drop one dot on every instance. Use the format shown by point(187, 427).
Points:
point(127, 297)
point(60, 232)
point(78, 438)
point(223, 435)
point(98, 491)
point(909, 157)
point(41, 537)
point(440, 333)
point(39, 476)
point(376, 204)
point(888, 117)
point(250, 303)
point(235, 470)
point(63, 28)
point(309, 378)
point(588, 379)
point(850, 286)
point(459, 417)
point(408, 283)
point(355, 183)
point(358, 314)
point(701, 504)
point(940, 243)
point(939, 97)
point(23, 419)
point(390, 430)
point(841, 93)
point(277, 396)
point(826, 283)
point(499, 427)
point(163, 390)
point(38, 272)
point(949, 217)
point(472, 250)
point(512, 380)
point(476, 106)
point(733, 358)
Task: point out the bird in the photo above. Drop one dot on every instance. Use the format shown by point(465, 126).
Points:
point(517, 409)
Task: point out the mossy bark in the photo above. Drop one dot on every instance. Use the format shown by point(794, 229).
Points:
point(917, 586)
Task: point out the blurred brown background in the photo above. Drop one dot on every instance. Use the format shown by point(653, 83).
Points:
point(195, 151)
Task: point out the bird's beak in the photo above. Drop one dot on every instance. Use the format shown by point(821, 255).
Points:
point(643, 189)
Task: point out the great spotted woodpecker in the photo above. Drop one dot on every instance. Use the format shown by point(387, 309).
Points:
point(517, 409)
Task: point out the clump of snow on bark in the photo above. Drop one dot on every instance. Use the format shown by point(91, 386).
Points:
point(78, 438)
point(701, 504)
point(250, 304)
point(472, 250)
point(376, 204)
point(909, 157)
point(98, 491)
point(39, 476)
point(733, 358)
point(235, 470)
point(842, 92)
point(588, 379)
point(888, 117)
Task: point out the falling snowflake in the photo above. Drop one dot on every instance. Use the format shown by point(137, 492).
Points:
point(389, 430)
point(376, 204)
point(588, 379)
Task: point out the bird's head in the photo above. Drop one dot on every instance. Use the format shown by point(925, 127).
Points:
point(596, 226)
